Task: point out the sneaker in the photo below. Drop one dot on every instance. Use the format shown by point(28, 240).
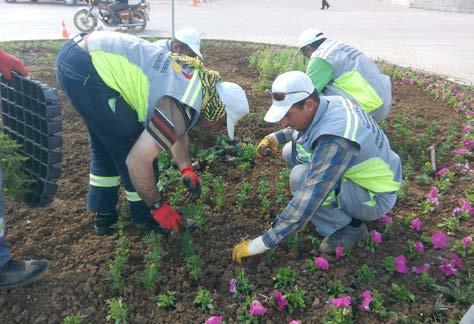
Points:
point(104, 223)
point(19, 273)
point(347, 237)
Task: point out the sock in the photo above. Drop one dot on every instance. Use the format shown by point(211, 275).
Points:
point(355, 222)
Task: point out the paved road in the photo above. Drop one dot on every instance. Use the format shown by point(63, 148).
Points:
point(438, 42)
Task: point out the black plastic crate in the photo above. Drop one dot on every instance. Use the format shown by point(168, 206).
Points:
point(32, 117)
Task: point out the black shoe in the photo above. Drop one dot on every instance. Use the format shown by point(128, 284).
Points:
point(104, 223)
point(19, 273)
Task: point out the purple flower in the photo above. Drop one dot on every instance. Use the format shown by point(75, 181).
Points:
point(425, 267)
point(460, 151)
point(294, 322)
point(419, 247)
point(367, 299)
point(341, 302)
point(456, 260)
point(466, 242)
point(467, 129)
point(416, 224)
point(214, 320)
point(257, 309)
point(468, 144)
point(466, 206)
point(233, 286)
point(462, 168)
point(401, 264)
point(439, 240)
point(376, 237)
point(386, 219)
point(321, 263)
point(280, 300)
point(457, 212)
point(447, 268)
point(339, 252)
point(433, 193)
point(442, 172)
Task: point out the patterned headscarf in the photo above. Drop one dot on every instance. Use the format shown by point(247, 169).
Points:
point(212, 107)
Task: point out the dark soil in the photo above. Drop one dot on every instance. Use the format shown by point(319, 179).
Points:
point(76, 281)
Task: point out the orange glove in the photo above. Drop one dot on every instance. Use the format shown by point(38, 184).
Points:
point(167, 217)
point(8, 63)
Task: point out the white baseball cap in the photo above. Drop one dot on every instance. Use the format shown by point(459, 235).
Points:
point(190, 37)
point(310, 36)
point(235, 101)
point(293, 86)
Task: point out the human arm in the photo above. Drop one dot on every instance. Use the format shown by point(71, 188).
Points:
point(9, 63)
point(320, 72)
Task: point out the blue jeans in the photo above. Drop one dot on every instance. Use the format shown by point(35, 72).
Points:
point(113, 128)
point(4, 250)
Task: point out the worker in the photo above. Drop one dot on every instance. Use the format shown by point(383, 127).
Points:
point(187, 41)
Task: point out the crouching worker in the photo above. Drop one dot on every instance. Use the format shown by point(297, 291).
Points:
point(343, 172)
point(136, 100)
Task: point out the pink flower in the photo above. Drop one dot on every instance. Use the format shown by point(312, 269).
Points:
point(280, 300)
point(466, 206)
point(367, 299)
point(439, 240)
point(401, 264)
point(214, 320)
point(466, 242)
point(386, 219)
point(321, 263)
point(294, 322)
point(257, 309)
point(468, 144)
point(447, 268)
point(442, 172)
point(425, 267)
point(456, 260)
point(467, 129)
point(376, 237)
point(462, 168)
point(419, 247)
point(339, 252)
point(416, 224)
point(460, 151)
point(233, 286)
point(433, 193)
point(341, 302)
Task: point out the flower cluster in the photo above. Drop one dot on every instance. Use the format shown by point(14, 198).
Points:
point(401, 264)
point(416, 224)
point(439, 240)
point(450, 266)
point(342, 302)
point(280, 300)
point(321, 263)
point(366, 300)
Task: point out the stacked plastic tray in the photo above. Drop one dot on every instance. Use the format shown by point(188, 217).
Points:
point(32, 117)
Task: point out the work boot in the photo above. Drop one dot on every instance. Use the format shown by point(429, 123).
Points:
point(347, 237)
point(103, 223)
point(19, 273)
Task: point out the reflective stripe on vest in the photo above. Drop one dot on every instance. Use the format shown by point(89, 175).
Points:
point(192, 90)
point(132, 196)
point(104, 182)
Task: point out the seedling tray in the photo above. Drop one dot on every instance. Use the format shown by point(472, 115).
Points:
point(31, 116)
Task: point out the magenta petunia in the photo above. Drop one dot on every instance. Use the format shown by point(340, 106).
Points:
point(401, 264)
point(442, 172)
point(468, 144)
point(339, 252)
point(386, 219)
point(433, 193)
point(419, 247)
point(421, 269)
point(214, 320)
point(466, 206)
point(376, 237)
point(461, 151)
point(439, 240)
point(294, 322)
point(233, 286)
point(466, 242)
point(321, 263)
point(456, 260)
point(257, 309)
point(280, 300)
point(416, 224)
point(367, 299)
point(467, 129)
point(447, 268)
point(342, 301)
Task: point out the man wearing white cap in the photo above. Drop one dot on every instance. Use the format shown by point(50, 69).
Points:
point(186, 42)
point(344, 172)
point(339, 69)
point(137, 100)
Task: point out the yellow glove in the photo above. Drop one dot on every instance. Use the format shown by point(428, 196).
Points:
point(267, 146)
point(240, 251)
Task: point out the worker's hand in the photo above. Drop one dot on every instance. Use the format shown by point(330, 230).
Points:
point(248, 248)
point(167, 217)
point(267, 146)
point(8, 63)
point(192, 183)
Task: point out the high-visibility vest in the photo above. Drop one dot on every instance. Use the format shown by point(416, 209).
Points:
point(356, 77)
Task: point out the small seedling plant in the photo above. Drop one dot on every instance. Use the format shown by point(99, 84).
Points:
point(244, 286)
point(118, 311)
point(263, 195)
point(314, 242)
point(339, 316)
point(243, 195)
point(402, 293)
point(166, 300)
point(73, 319)
point(219, 192)
point(283, 189)
point(337, 288)
point(15, 181)
point(377, 304)
point(192, 259)
point(295, 299)
point(203, 300)
point(294, 242)
point(365, 274)
point(151, 275)
point(117, 265)
point(388, 263)
point(284, 277)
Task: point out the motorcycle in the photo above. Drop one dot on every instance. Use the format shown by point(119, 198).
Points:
point(134, 18)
